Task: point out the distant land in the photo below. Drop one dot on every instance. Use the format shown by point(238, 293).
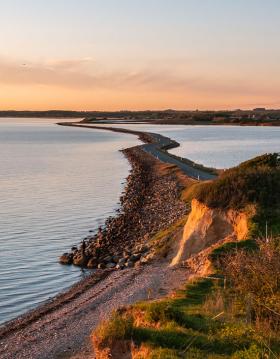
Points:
point(255, 117)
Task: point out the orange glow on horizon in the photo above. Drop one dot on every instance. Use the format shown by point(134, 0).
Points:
point(53, 98)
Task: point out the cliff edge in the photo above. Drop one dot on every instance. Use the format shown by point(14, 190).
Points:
point(207, 226)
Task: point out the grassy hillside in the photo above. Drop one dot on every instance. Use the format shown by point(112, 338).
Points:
point(232, 315)
point(253, 183)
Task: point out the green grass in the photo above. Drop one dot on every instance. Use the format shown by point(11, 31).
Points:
point(182, 324)
point(228, 248)
point(186, 327)
point(205, 320)
point(181, 327)
point(252, 183)
point(119, 327)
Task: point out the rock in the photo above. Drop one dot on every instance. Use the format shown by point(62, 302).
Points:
point(108, 259)
point(120, 266)
point(66, 258)
point(144, 260)
point(150, 256)
point(129, 264)
point(144, 249)
point(91, 263)
point(141, 248)
point(135, 257)
point(122, 261)
point(115, 259)
point(110, 265)
point(80, 260)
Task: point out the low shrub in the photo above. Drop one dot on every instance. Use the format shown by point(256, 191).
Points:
point(119, 327)
point(229, 248)
point(255, 280)
point(252, 183)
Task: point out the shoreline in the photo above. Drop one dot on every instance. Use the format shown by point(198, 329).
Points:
point(184, 123)
point(109, 248)
point(163, 203)
point(146, 138)
point(245, 117)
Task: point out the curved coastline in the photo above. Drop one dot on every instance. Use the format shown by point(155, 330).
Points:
point(104, 249)
point(157, 145)
point(22, 328)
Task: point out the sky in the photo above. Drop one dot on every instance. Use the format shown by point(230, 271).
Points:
point(139, 54)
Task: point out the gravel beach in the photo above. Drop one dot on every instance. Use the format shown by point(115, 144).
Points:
point(65, 331)
point(61, 328)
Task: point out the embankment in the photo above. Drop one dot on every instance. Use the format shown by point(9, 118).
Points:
point(150, 203)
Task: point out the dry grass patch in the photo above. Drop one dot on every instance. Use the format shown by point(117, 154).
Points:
point(163, 241)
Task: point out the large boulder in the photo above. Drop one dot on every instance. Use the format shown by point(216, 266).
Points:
point(66, 258)
point(108, 259)
point(92, 263)
point(110, 265)
point(122, 261)
point(135, 257)
point(115, 259)
point(80, 260)
point(129, 264)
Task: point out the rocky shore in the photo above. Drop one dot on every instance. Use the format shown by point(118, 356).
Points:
point(150, 203)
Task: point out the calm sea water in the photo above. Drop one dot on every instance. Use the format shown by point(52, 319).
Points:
point(56, 184)
point(225, 146)
point(219, 146)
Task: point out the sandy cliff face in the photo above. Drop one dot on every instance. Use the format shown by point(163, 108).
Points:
point(207, 226)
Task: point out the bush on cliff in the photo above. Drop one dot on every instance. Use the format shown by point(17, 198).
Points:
point(255, 182)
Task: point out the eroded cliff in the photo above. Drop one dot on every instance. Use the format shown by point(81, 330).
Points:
point(206, 226)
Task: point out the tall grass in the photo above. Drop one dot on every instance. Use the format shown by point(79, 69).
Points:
point(254, 279)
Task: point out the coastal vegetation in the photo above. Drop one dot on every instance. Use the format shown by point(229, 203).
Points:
point(234, 311)
point(252, 184)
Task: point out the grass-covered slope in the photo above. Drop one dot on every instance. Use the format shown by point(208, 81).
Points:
point(192, 324)
point(253, 183)
point(234, 313)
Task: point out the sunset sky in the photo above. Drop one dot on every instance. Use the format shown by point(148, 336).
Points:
point(139, 54)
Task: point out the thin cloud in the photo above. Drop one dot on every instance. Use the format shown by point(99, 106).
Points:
point(85, 74)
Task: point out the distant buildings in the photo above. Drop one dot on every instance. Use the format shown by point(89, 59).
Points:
point(258, 109)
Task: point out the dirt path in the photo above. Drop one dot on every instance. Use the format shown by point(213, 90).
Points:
point(65, 332)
